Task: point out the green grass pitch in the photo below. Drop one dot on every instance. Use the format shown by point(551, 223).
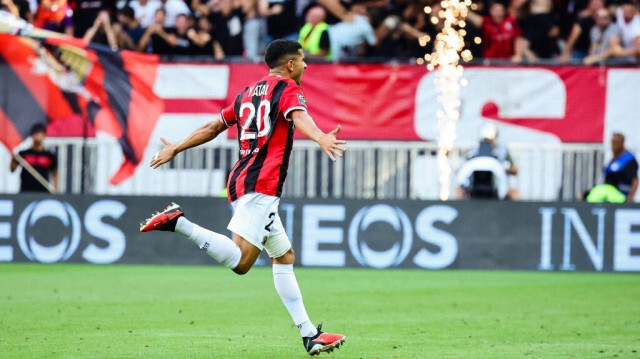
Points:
point(122, 311)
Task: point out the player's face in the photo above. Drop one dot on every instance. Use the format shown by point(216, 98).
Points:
point(299, 66)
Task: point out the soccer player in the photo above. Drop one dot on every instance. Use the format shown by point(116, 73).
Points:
point(266, 113)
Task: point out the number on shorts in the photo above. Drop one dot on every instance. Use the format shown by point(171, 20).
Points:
point(272, 216)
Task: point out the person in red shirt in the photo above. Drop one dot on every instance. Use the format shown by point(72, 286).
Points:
point(501, 34)
point(266, 113)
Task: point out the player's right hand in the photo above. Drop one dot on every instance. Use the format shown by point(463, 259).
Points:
point(164, 155)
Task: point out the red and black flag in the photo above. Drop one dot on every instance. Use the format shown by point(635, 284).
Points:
point(66, 83)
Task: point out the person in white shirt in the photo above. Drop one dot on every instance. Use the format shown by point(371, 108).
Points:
point(174, 8)
point(628, 21)
point(145, 11)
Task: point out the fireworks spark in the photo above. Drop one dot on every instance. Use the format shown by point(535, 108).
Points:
point(448, 50)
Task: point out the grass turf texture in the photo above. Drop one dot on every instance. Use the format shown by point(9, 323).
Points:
point(86, 311)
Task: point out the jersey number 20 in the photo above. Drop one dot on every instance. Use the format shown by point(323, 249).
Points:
point(262, 120)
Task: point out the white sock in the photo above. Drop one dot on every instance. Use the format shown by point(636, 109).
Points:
point(287, 287)
point(219, 247)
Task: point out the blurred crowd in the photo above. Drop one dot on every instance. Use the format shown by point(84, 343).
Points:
point(529, 31)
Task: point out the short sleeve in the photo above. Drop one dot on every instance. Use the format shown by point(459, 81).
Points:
point(631, 170)
point(292, 99)
point(593, 35)
point(228, 116)
point(54, 160)
point(369, 32)
point(325, 43)
point(517, 31)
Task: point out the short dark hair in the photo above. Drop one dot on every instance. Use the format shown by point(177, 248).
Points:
point(128, 12)
point(279, 51)
point(618, 134)
point(38, 127)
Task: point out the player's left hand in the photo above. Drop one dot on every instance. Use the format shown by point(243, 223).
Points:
point(331, 145)
point(164, 155)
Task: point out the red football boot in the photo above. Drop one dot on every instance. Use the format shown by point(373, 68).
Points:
point(163, 221)
point(323, 342)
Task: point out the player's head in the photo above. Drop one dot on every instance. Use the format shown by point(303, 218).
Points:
point(286, 56)
point(38, 133)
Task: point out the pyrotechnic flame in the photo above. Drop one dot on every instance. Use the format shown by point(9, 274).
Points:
point(449, 44)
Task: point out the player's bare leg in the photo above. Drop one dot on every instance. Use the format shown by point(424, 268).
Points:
point(314, 340)
point(249, 254)
point(238, 254)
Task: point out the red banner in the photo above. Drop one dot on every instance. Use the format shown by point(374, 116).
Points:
point(399, 102)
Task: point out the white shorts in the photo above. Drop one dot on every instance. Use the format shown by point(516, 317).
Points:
point(256, 219)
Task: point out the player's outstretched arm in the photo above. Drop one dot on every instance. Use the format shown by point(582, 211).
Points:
point(201, 135)
point(327, 141)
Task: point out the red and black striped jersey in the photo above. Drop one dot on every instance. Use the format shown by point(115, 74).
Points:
point(265, 135)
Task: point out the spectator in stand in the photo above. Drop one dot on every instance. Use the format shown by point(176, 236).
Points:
point(254, 34)
point(200, 7)
point(415, 25)
point(179, 40)
point(605, 37)
point(86, 12)
point(579, 40)
point(314, 35)
point(282, 22)
point(42, 161)
point(501, 34)
point(20, 8)
point(54, 15)
point(157, 39)
point(10, 6)
point(401, 30)
point(173, 8)
point(432, 29)
point(226, 17)
point(202, 41)
point(540, 30)
point(145, 11)
point(570, 12)
point(622, 171)
point(628, 21)
point(102, 25)
point(128, 29)
point(346, 38)
point(338, 11)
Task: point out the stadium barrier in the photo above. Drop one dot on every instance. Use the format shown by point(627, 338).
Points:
point(370, 170)
point(336, 233)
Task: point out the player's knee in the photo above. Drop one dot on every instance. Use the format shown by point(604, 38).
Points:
point(241, 269)
point(288, 257)
point(292, 255)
